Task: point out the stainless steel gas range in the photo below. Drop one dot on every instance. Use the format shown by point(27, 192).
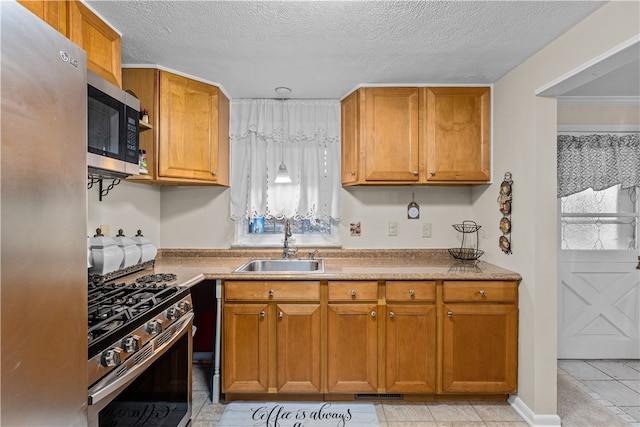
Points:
point(140, 351)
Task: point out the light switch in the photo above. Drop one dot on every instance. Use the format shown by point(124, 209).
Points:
point(393, 228)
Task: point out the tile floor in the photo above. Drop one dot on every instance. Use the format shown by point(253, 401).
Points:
point(612, 384)
point(608, 386)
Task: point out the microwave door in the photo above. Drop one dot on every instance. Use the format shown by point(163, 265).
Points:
point(105, 127)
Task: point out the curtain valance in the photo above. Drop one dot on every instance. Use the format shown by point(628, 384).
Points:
point(306, 135)
point(598, 162)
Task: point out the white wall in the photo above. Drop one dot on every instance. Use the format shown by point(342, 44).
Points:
point(128, 206)
point(524, 138)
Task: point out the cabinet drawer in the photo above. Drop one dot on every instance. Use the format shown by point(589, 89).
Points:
point(353, 291)
point(480, 291)
point(272, 291)
point(410, 291)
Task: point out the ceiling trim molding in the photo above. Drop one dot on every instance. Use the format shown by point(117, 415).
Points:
point(591, 128)
point(364, 85)
point(616, 57)
point(613, 101)
point(180, 73)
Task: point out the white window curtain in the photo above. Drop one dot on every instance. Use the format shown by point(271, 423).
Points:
point(309, 133)
point(597, 162)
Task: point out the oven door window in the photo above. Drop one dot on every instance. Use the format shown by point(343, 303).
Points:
point(105, 124)
point(160, 396)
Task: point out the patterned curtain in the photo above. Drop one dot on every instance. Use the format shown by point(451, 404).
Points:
point(598, 162)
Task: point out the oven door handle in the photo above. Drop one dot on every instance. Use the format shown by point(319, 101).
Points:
point(102, 392)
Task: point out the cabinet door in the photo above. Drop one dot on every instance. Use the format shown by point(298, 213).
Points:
point(350, 138)
point(480, 348)
point(188, 144)
point(352, 348)
point(102, 43)
point(53, 12)
point(411, 348)
point(458, 134)
point(298, 348)
point(391, 134)
point(246, 358)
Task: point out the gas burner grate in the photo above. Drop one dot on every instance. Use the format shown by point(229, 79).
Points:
point(156, 278)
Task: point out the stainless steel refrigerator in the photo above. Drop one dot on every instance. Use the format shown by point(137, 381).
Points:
point(43, 276)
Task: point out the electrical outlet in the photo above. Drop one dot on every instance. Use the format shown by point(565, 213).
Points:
point(426, 230)
point(393, 228)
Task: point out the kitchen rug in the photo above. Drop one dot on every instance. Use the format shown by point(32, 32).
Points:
point(299, 414)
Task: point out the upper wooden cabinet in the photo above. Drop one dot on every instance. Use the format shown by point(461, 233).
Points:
point(53, 12)
point(350, 134)
point(412, 135)
point(189, 143)
point(83, 27)
point(458, 135)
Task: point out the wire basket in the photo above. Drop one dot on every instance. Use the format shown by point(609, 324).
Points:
point(466, 254)
point(467, 227)
point(467, 251)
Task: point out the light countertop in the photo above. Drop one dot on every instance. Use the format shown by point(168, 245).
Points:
point(194, 265)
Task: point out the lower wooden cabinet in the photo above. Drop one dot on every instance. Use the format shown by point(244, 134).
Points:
point(480, 337)
point(298, 348)
point(352, 344)
point(271, 337)
point(246, 348)
point(420, 338)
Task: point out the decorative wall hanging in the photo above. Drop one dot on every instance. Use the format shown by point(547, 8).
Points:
point(505, 200)
point(413, 209)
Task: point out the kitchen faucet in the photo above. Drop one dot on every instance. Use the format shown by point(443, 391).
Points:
point(287, 233)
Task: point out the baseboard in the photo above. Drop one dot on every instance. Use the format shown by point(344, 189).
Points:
point(530, 417)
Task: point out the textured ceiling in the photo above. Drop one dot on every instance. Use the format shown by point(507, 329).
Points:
point(324, 49)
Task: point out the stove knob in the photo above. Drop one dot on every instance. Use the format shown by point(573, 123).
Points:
point(131, 344)
point(155, 326)
point(111, 357)
point(172, 314)
point(184, 306)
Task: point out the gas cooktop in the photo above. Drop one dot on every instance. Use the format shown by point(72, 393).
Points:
point(124, 314)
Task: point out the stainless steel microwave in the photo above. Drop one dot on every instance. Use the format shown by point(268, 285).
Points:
point(113, 141)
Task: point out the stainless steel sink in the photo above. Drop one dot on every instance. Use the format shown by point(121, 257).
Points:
point(282, 266)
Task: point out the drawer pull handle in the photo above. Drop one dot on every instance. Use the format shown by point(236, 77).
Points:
point(373, 314)
point(353, 292)
point(392, 314)
point(262, 313)
point(450, 314)
point(481, 292)
point(411, 292)
point(280, 314)
point(271, 292)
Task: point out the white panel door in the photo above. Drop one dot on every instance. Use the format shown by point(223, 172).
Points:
point(598, 305)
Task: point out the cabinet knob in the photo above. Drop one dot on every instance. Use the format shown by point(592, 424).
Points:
point(432, 173)
point(353, 292)
point(411, 292)
point(280, 314)
point(271, 292)
point(373, 314)
point(415, 173)
point(392, 314)
point(450, 314)
point(262, 313)
point(481, 292)
point(352, 173)
point(214, 173)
